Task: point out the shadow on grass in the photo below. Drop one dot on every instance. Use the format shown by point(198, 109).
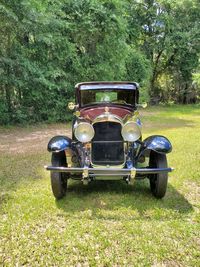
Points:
point(103, 197)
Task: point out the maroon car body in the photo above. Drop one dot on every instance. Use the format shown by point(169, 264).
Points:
point(93, 112)
point(106, 141)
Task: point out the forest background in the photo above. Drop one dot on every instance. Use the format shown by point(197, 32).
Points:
point(48, 46)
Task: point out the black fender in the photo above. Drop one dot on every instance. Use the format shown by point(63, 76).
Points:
point(59, 143)
point(158, 143)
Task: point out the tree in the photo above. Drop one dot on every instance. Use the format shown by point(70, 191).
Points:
point(51, 45)
point(169, 37)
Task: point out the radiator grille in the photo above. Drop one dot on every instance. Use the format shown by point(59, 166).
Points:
point(107, 144)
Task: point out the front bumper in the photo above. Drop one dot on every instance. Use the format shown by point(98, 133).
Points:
point(93, 172)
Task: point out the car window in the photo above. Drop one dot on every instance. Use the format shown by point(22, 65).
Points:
point(107, 96)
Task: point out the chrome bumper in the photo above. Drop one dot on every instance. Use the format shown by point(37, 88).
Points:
point(92, 172)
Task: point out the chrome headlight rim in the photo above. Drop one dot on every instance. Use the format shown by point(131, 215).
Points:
point(133, 136)
point(77, 134)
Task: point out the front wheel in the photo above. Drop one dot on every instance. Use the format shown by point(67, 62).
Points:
point(158, 182)
point(58, 179)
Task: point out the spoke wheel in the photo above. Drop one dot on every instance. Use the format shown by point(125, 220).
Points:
point(58, 179)
point(158, 182)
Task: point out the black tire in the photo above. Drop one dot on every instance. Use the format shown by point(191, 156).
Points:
point(158, 182)
point(58, 179)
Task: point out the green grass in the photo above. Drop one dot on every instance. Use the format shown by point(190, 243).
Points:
point(105, 223)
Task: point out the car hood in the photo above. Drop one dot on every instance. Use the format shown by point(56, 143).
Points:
point(93, 112)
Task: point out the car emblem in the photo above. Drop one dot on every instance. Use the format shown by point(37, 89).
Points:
point(107, 109)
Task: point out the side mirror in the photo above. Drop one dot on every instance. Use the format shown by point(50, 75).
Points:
point(143, 105)
point(71, 106)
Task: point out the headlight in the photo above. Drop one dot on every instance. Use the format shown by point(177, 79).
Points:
point(131, 131)
point(84, 132)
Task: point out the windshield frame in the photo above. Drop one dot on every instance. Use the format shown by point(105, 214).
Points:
point(107, 86)
point(100, 96)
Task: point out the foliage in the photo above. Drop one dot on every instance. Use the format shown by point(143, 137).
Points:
point(138, 67)
point(48, 46)
point(170, 37)
point(196, 80)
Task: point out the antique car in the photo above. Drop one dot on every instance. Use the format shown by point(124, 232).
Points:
point(106, 141)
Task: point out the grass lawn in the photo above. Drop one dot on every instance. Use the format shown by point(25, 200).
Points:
point(105, 223)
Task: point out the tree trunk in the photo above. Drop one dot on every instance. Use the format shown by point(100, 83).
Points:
point(7, 85)
point(185, 94)
point(8, 100)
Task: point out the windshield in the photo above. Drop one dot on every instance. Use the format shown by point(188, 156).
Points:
point(107, 96)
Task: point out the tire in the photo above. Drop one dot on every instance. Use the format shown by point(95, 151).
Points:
point(58, 179)
point(158, 182)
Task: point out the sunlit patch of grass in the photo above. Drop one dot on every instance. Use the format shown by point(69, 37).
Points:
point(104, 223)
